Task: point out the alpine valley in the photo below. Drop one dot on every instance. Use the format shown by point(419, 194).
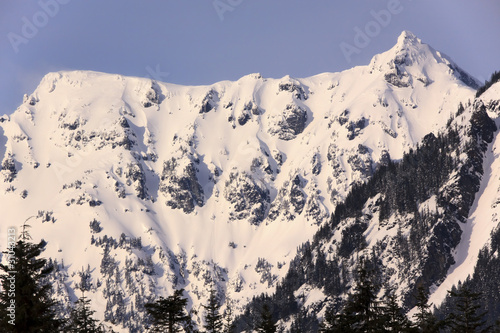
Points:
point(259, 187)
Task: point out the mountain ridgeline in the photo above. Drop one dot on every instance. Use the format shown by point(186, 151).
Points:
point(271, 191)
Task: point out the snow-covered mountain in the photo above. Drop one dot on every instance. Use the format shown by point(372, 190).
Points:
point(142, 187)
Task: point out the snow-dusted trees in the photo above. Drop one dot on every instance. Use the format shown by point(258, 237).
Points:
point(495, 77)
point(168, 313)
point(266, 323)
point(467, 315)
point(213, 318)
point(81, 318)
point(362, 312)
point(424, 319)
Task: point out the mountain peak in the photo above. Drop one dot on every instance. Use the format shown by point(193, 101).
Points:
point(408, 50)
point(410, 60)
point(408, 38)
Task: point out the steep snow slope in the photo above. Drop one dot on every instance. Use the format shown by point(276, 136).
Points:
point(219, 182)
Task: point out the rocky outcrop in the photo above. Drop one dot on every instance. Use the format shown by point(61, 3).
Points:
point(152, 96)
point(354, 128)
point(249, 110)
point(9, 168)
point(361, 162)
point(180, 185)
point(250, 197)
point(292, 123)
point(315, 211)
point(209, 101)
point(290, 200)
point(295, 89)
point(115, 134)
point(398, 76)
point(136, 176)
point(316, 164)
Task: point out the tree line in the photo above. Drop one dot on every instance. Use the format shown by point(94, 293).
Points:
point(28, 306)
point(495, 77)
point(363, 311)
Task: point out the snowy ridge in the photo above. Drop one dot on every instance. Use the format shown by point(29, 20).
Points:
point(219, 182)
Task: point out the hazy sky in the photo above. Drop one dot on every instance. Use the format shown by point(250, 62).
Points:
point(205, 41)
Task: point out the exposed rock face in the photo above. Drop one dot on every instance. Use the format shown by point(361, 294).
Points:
point(292, 123)
point(398, 79)
point(249, 197)
point(181, 186)
point(244, 117)
point(335, 161)
point(343, 117)
point(315, 210)
point(361, 162)
point(294, 88)
point(464, 77)
point(297, 196)
point(152, 96)
point(385, 158)
point(78, 134)
point(135, 175)
point(249, 110)
point(9, 169)
point(290, 201)
point(398, 75)
point(316, 164)
point(209, 101)
point(482, 126)
point(261, 164)
point(354, 128)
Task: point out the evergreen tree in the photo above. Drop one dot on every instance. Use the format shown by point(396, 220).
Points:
point(362, 311)
point(227, 317)
point(81, 319)
point(190, 326)
point(393, 316)
point(425, 321)
point(334, 322)
point(495, 77)
point(266, 323)
point(168, 313)
point(213, 319)
point(465, 318)
point(304, 322)
point(25, 302)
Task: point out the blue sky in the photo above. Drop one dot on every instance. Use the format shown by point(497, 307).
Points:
point(205, 41)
